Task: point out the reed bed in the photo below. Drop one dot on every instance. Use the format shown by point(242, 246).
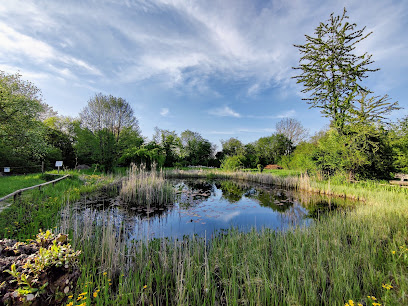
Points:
point(344, 256)
point(146, 188)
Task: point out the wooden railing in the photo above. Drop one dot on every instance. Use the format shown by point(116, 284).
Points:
point(16, 193)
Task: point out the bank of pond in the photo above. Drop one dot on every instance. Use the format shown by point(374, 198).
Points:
point(226, 239)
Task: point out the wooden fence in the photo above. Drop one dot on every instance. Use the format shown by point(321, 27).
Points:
point(16, 193)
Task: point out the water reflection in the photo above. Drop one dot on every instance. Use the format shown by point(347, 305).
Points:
point(203, 207)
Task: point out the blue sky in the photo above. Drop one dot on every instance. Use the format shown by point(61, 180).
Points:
point(221, 68)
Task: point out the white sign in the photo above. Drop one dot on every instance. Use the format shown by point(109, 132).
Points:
point(6, 169)
point(58, 163)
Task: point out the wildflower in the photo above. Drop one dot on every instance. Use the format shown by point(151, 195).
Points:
point(145, 286)
point(83, 304)
point(359, 304)
point(70, 297)
point(387, 286)
point(105, 273)
point(95, 294)
point(376, 304)
point(70, 304)
point(79, 298)
point(84, 293)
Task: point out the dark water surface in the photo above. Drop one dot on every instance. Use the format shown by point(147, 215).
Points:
point(204, 207)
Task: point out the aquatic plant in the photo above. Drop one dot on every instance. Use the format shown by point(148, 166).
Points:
point(144, 188)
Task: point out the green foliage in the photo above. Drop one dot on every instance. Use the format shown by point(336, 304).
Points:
point(233, 163)
point(331, 72)
point(363, 151)
point(232, 147)
point(54, 251)
point(302, 157)
point(270, 149)
point(22, 140)
point(399, 141)
point(195, 150)
point(147, 155)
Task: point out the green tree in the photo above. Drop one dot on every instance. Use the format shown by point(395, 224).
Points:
point(232, 146)
point(22, 134)
point(195, 149)
point(108, 112)
point(170, 143)
point(270, 149)
point(331, 71)
point(399, 142)
point(371, 109)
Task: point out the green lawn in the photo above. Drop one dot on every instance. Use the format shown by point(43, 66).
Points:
point(8, 184)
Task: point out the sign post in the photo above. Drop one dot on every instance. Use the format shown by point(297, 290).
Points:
point(58, 164)
point(6, 169)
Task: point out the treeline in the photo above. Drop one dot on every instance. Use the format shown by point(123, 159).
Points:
point(106, 133)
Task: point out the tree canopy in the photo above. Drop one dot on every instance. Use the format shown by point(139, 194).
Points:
point(331, 71)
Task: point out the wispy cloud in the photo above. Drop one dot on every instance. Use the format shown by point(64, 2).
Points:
point(241, 131)
point(288, 114)
point(224, 112)
point(164, 112)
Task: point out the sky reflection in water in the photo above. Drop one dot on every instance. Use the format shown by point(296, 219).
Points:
point(204, 207)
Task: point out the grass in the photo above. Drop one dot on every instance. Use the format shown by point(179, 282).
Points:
point(344, 256)
point(145, 188)
point(9, 184)
point(37, 209)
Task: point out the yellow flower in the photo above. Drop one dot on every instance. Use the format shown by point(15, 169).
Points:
point(359, 304)
point(376, 304)
point(71, 296)
point(84, 293)
point(79, 298)
point(105, 273)
point(386, 286)
point(347, 304)
point(95, 294)
point(145, 286)
point(70, 304)
point(83, 304)
point(393, 252)
point(351, 302)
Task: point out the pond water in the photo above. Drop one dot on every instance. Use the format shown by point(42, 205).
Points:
point(204, 207)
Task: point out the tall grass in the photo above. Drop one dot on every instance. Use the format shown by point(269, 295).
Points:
point(145, 188)
point(343, 256)
point(40, 209)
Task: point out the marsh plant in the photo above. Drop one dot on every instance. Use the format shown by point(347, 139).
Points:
point(145, 188)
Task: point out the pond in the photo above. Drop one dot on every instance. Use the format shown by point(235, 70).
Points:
point(204, 207)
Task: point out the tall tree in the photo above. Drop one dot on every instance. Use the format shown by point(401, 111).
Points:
point(292, 129)
point(108, 112)
point(372, 109)
point(330, 70)
point(22, 140)
point(170, 142)
point(195, 149)
point(232, 146)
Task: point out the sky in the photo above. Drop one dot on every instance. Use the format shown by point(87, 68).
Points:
point(221, 68)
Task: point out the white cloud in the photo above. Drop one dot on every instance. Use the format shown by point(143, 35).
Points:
point(242, 131)
point(288, 114)
point(224, 112)
point(164, 112)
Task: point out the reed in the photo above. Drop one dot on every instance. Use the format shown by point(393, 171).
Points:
point(343, 256)
point(146, 188)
